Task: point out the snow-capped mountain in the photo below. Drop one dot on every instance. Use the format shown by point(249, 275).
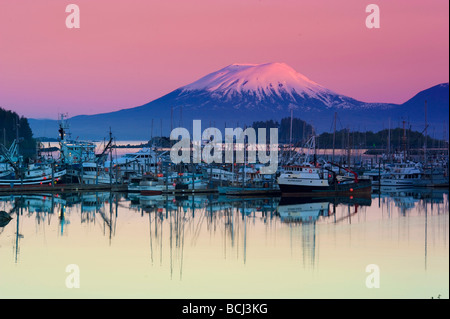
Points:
point(261, 81)
point(240, 94)
point(267, 86)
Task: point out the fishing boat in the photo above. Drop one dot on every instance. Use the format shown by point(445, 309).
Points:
point(34, 174)
point(8, 158)
point(191, 182)
point(93, 174)
point(309, 179)
point(149, 184)
point(14, 173)
point(133, 185)
point(73, 152)
point(146, 159)
point(376, 174)
point(403, 174)
point(435, 177)
point(152, 187)
point(220, 175)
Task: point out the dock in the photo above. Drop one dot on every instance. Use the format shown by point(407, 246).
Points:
point(61, 188)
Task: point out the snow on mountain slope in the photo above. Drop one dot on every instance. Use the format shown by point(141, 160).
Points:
point(269, 81)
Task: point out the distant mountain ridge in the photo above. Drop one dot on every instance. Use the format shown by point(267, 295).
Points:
point(239, 94)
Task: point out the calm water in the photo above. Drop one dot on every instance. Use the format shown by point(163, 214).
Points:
point(209, 247)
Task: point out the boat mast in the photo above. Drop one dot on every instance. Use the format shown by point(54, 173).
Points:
point(171, 118)
point(290, 134)
point(389, 140)
point(151, 133)
point(17, 136)
point(404, 141)
point(426, 136)
point(348, 147)
point(334, 136)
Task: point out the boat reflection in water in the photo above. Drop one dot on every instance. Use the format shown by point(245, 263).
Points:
point(309, 210)
point(220, 241)
point(407, 199)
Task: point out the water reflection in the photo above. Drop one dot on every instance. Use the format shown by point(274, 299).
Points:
point(242, 230)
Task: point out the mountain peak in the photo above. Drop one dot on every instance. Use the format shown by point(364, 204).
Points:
point(258, 79)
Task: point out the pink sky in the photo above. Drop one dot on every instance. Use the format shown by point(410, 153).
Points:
point(129, 52)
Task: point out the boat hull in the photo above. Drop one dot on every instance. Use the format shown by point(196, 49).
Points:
point(46, 179)
point(331, 190)
point(151, 192)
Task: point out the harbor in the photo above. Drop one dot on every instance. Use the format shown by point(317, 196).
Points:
point(73, 165)
point(165, 229)
point(161, 228)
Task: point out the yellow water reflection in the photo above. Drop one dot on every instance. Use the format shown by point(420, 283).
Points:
point(207, 247)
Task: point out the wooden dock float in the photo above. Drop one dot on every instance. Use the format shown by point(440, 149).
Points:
point(63, 188)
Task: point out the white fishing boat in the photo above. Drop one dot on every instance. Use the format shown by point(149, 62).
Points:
point(308, 179)
point(191, 181)
point(154, 187)
point(8, 156)
point(220, 175)
point(403, 174)
point(73, 152)
point(435, 176)
point(34, 174)
point(375, 174)
point(146, 159)
point(150, 184)
point(94, 174)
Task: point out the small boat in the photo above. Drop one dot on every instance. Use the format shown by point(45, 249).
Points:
point(191, 181)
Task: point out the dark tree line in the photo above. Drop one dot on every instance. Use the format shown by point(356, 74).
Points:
point(13, 125)
point(300, 129)
point(398, 139)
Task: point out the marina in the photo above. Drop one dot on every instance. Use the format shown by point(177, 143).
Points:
point(83, 165)
point(166, 230)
